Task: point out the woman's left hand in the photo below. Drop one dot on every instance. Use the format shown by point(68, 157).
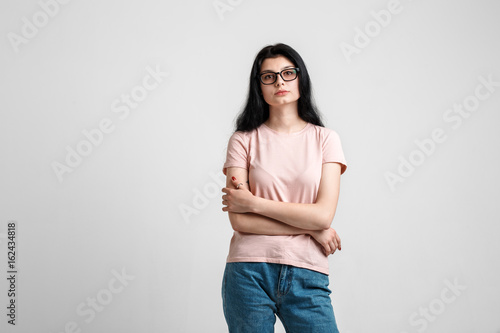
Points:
point(238, 199)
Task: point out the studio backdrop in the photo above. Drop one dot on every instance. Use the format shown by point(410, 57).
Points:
point(115, 117)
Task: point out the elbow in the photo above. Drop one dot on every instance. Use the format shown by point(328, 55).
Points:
point(325, 221)
point(235, 221)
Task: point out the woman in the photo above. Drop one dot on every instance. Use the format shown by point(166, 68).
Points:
point(283, 175)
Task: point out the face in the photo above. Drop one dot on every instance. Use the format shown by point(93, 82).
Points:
point(280, 92)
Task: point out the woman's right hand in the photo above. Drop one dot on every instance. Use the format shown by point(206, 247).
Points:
point(328, 238)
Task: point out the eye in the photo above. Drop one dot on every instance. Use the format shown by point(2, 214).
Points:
point(268, 78)
point(289, 72)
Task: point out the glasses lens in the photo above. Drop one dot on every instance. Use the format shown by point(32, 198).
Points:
point(268, 78)
point(289, 74)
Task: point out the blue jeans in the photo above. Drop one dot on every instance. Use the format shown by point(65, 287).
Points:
point(254, 292)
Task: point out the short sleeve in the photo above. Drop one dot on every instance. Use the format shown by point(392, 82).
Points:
point(332, 149)
point(237, 153)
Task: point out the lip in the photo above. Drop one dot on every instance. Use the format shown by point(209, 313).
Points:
point(282, 92)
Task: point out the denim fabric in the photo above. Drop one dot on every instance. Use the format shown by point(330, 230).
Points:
point(254, 292)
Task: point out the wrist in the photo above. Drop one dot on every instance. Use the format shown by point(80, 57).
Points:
point(313, 233)
point(256, 205)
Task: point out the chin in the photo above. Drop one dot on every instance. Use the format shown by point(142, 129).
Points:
point(280, 100)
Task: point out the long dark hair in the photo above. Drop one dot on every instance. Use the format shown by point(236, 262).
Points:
point(256, 110)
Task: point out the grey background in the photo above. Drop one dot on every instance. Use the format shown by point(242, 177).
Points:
point(121, 209)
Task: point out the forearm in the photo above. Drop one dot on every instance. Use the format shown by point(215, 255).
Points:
point(308, 216)
point(262, 225)
point(299, 215)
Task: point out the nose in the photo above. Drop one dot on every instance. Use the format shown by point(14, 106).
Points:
point(279, 81)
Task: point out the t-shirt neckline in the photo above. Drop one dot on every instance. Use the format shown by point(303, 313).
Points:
point(287, 134)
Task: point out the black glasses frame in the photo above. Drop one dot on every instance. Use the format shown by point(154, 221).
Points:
point(280, 74)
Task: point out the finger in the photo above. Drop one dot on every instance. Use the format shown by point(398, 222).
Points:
point(327, 249)
point(225, 190)
point(333, 247)
point(235, 181)
point(237, 184)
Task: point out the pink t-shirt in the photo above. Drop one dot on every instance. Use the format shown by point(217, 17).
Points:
point(287, 168)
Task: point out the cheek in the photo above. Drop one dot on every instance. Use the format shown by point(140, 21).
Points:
point(267, 98)
point(296, 87)
point(266, 92)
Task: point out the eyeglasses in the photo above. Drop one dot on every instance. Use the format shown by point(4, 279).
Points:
point(288, 74)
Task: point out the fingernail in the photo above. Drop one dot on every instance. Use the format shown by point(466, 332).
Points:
point(233, 178)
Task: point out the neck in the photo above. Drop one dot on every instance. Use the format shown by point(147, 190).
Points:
point(285, 118)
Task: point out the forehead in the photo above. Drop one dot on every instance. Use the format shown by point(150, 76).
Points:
point(275, 64)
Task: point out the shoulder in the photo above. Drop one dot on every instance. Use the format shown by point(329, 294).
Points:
point(247, 135)
point(241, 138)
point(325, 133)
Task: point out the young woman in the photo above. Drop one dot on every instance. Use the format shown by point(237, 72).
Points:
point(283, 176)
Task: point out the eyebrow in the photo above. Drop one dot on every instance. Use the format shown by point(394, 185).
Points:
point(270, 71)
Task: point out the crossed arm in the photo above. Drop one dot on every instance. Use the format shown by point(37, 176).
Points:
point(251, 214)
